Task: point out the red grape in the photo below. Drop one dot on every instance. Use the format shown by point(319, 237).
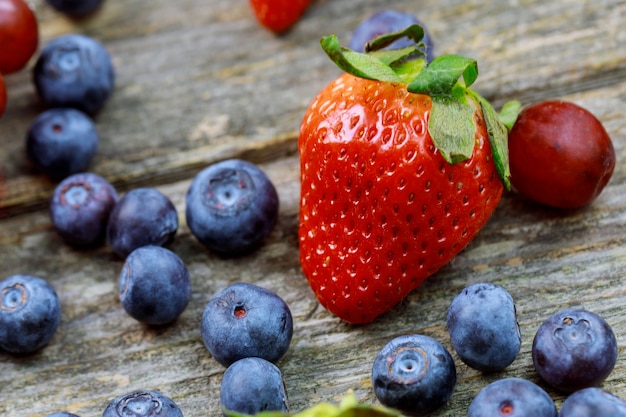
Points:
point(19, 35)
point(560, 154)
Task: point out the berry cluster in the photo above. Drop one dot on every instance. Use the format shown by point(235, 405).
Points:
point(248, 329)
point(232, 207)
point(573, 351)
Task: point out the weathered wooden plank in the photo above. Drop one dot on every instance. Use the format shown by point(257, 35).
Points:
point(198, 82)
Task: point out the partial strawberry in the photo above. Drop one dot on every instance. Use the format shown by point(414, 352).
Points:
point(279, 15)
point(401, 165)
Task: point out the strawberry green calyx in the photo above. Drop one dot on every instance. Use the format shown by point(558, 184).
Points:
point(447, 80)
point(348, 407)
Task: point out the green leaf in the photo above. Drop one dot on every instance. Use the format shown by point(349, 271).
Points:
point(442, 74)
point(451, 126)
point(509, 113)
point(393, 56)
point(413, 32)
point(498, 139)
point(408, 69)
point(358, 64)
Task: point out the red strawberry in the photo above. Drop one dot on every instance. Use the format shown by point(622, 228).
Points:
point(397, 176)
point(278, 15)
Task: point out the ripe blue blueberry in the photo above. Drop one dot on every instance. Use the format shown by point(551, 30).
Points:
point(76, 71)
point(414, 374)
point(231, 207)
point(386, 21)
point(142, 404)
point(30, 313)
point(76, 8)
point(80, 207)
point(512, 397)
point(143, 216)
point(594, 402)
point(253, 385)
point(483, 327)
point(62, 141)
point(154, 285)
point(246, 320)
point(574, 349)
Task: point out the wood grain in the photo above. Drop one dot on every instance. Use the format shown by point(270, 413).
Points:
point(200, 81)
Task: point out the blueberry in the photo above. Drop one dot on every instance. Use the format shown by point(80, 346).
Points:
point(80, 208)
point(414, 374)
point(76, 71)
point(143, 216)
point(252, 385)
point(246, 320)
point(574, 349)
point(386, 21)
point(231, 207)
point(592, 402)
point(142, 404)
point(75, 8)
point(512, 397)
point(483, 327)
point(30, 313)
point(154, 285)
point(62, 141)
point(62, 414)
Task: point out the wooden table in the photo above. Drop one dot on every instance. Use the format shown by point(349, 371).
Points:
point(199, 81)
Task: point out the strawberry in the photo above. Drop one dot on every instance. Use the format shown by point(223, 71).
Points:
point(278, 15)
point(401, 165)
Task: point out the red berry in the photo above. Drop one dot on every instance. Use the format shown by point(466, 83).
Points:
point(19, 35)
point(560, 154)
point(381, 210)
point(278, 15)
point(399, 171)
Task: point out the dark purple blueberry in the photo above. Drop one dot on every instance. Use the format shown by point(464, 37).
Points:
point(142, 404)
point(30, 313)
point(76, 71)
point(80, 208)
point(387, 21)
point(61, 414)
point(76, 8)
point(252, 385)
point(154, 285)
point(512, 397)
point(593, 402)
point(143, 216)
point(414, 374)
point(62, 141)
point(483, 327)
point(246, 320)
point(574, 349)
point(231, 207)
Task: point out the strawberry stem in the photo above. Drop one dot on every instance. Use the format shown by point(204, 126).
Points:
point(446, 80)
point(358, 64)
point(443, 73)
